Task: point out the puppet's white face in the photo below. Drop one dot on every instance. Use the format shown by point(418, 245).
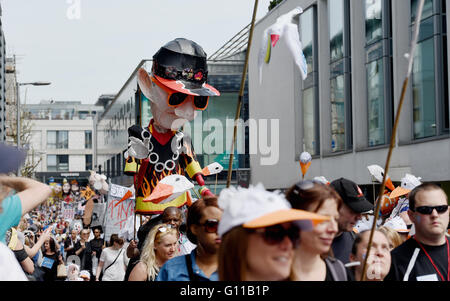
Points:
point(75, 187)
point(66, 187)
point(170, 117)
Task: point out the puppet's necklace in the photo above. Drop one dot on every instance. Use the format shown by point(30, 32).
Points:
point(170, 164)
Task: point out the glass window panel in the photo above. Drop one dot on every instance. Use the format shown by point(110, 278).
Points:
point(337, 114)
point(427, 9)
point(51, 163)
point(426, 29)
point(376, 100)
point(51, 139)
point(88, 162)
point(336, 28)
point(424, 98)
point(63, 140)
point(374, 24)
point(63, 163)
point(309, 121)
point(146, 113)
point(88, 139)
point(306, 33)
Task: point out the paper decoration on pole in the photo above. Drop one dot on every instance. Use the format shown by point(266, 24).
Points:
point(126, 196)
point(116, 216)
point(283, 29)
point(378, 173)
point(305, 162)
point(212, 169)
point(410, 181)
point(169, 189)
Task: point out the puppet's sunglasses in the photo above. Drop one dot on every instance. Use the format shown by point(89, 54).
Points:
point(427, 210)
point(174, 99)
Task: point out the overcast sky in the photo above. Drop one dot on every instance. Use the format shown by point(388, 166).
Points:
point(95, 54)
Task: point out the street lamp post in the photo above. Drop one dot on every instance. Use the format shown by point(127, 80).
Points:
point(18, 109)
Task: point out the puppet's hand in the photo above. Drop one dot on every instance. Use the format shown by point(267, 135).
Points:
point(138, 149)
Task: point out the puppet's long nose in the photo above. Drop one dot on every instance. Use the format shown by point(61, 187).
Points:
point(186, 110)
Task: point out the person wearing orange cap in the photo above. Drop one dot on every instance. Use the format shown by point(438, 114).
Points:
point(259, 232)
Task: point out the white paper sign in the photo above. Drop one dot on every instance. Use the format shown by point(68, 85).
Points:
point(116, 216)
point(98, 214)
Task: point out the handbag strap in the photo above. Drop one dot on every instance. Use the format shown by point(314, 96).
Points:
point(112, 262)
point(192, 275)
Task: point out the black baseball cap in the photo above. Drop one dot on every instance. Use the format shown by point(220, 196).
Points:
point(352, 195)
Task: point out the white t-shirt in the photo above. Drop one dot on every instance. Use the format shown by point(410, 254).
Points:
point(10, 269)
point(116, 272)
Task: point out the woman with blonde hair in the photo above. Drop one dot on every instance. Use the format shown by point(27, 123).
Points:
point(394, 238)
point(160, 245)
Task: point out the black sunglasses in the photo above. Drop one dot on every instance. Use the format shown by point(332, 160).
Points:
point(275, 234)
point(200, 102)
point(427, 210)
point(211, 225)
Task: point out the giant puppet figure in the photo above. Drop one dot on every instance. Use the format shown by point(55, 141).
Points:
point(176, 89)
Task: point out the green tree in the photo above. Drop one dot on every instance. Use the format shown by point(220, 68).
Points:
point(274, 3)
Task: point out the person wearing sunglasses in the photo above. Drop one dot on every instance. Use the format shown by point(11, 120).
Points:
point(426, 255)
point(259, 232)
point(313, 260)
point(202, 222)
point(161, 245)
point(177, 89)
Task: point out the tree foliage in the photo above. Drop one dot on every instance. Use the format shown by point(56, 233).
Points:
point(274, 3)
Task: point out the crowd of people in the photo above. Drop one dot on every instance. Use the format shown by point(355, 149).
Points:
point(312, 232)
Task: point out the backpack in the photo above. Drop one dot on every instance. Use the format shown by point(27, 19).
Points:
point(337, 269)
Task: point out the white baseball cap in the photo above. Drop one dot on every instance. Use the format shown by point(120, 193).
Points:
point(256, 207)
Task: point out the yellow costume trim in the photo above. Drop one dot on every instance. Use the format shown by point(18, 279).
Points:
point(152, 208)
point(193, 168)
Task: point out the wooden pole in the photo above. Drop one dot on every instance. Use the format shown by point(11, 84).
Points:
point(241, 94)
point(394, 132)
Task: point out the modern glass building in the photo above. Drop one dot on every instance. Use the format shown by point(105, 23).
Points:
point(343, 113)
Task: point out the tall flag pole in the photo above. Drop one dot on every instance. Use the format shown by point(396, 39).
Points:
point(409, 56)
point(241, 94)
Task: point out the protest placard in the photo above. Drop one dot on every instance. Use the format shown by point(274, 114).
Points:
point(116, 216)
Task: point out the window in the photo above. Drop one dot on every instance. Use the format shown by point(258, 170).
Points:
point(340, 81)
point(429, 77)
point(57, 163)
point(310, 110)
point(88, 139)
point(88, 162)
point(57, 139)
point(378, 71)
point(119, 164)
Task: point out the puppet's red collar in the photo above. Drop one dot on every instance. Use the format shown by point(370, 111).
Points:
point(161, 138)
